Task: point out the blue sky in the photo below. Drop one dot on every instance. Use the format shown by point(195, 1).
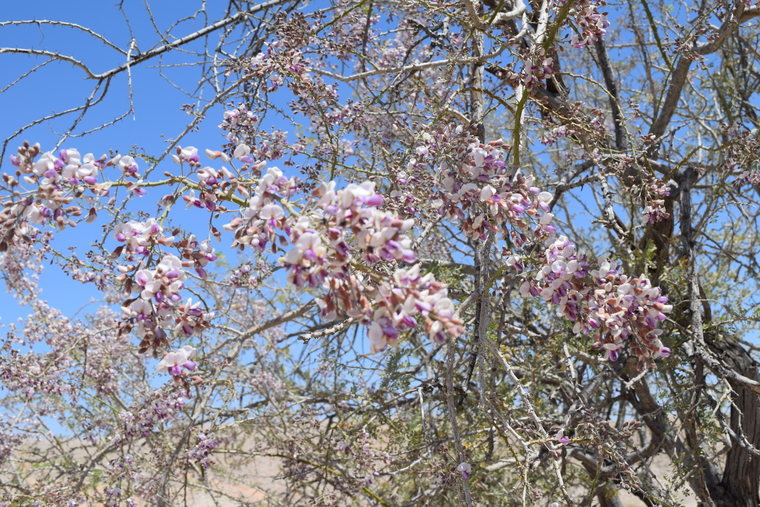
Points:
point(60, 85)
point(158, 104)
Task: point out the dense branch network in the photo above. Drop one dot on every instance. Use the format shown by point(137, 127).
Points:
point(460, 253)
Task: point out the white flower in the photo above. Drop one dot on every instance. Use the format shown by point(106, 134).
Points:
point(377, 339)
point(173, 362)
point(215, 154)
point(241, 150)
point(487, 192)
point(171, 267)
point(187, 154)
point(271, 211)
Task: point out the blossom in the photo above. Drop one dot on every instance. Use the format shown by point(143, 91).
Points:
point(187, 154)
point(241, 150)
point(140, 237)
point(199, 252)
point(159, 307)
point(257, 223)
point(174, 362)
point(465, 469)
point(189, 317)
point(208, 176)
point(561, 438)
point(591, 23)
point(215, 154)
point(127, 164)
point(203, 450)
point(482, 196)
point(616, 309)
point(619, 311)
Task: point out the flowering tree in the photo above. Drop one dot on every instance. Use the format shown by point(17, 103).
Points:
point(496, 252)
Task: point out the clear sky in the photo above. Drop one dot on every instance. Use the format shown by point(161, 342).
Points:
point(60, 85)
point(57, 86)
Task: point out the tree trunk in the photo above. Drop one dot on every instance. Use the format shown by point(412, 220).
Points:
point(741, 475)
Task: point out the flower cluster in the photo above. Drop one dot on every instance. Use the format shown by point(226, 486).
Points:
point(188, 154)
point(69, 166)
point(410, 297)
point(619, 311)
point(248, 143)
point(127, 165)
point(346, 226)
point(203, 449)
point(538, 67)
point(380, 235)
point(55, 178)
point(139, 238)
point(283, 56)
point(200, 253)
point(259, 220)
point(656, 191)
point(482, 197)
point(159, 305)
point(33, 374)
point(479, 195)
point(143, 418)
point(215, 186)
point(189, 318)
point(307, 262)
point(210, 177)
point(147, 322)
point(355, 27)
point(351, 217)
point(552, 135)
point(238, 123)
point(14, 230)
point(277, 62)
point(322, 245)
point(24, 368)
point(162, 283)
point(591, 23)
point(41, 359)
point(348, 215)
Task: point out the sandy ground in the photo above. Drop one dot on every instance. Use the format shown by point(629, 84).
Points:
point(244, 488)
point(252, 485)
